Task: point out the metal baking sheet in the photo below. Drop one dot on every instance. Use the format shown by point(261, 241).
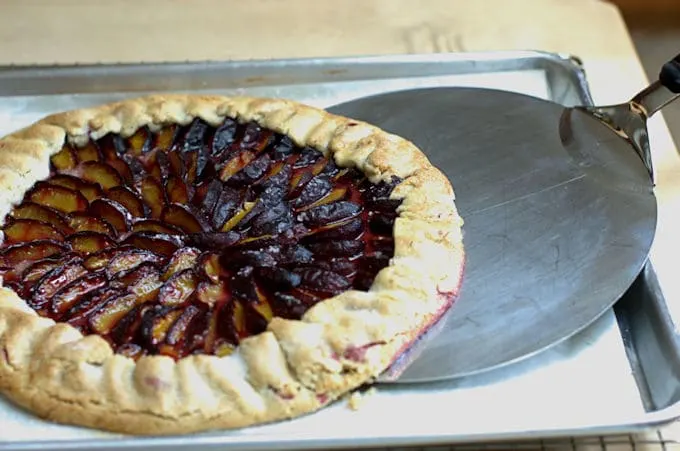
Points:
point(618, 375)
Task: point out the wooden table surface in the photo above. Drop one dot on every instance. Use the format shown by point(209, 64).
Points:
point(71, 31)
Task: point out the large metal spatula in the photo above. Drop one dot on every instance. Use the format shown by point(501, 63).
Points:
point(559, 213)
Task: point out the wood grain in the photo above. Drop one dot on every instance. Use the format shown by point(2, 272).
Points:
point(68, 31)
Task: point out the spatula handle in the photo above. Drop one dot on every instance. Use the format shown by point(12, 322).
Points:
point(670, 75)
point(661, 92)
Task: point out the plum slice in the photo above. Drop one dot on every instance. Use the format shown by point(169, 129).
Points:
point(155, 163)
point(308, 156)
point(178, 332)
point(135, 168)
point(177, 190)
point(376, 191)
point(165, 137)
point(98, 172)
point(288, 306)
point(85, 222)
point(212, 293)
point(242, 284)
point(78, 314)
point(111, 312)
point(178, 288)
point(384, 206)
point(343, 266)
point(206, 195)
point(255, 137)
point(279, 279)
point(143, 280)
point(337, 248)
point(252, 172)
point(121, 167)
point(214, 240)
point(274, 185)
point(89, 190)
point(26, 230)
point(270, 221)
point(235, 164)
point(111, 145)
point(226, 205)
point(251, 309)
point(369, 267)
point(152, 225)
point(157, 322)
point(239, 258)
point(29, 252)
point(241, 216)
point(348, 230)
point(75, 291)
point(88, 152)
point(54, 280)
point(176, 163)
point(283, 148)
point(213, 343)
point(315, 189)
point(126, 259)
point(382, 223)
point(183, 258)
point(85, 243)
point(159, 243)
point(65, 159)
point(381, 244)
point(323, 281)
point(128, 199)
point(329, 213)
point(153, 195)
point(210, 267)
point(140, 142)
point(295, 255)
point(180, 216)
point(113, 213)
point(30, 210)
point(58, 197)
point(197, 166)
point(126, 331)
point(338, 193)
point(194, 137)
point(298, 181)
point(41, 267)
point(101, 259)
point(223, 137)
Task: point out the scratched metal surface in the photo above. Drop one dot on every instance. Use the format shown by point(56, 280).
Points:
point(558, 220)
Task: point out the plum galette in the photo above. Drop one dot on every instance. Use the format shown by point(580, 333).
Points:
point(180, 263)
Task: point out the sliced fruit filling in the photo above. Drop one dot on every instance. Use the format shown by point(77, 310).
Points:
point(190, 239)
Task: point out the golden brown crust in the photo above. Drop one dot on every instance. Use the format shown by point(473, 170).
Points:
point(295, 367)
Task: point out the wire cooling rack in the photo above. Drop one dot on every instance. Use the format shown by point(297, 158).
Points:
point(654, 440)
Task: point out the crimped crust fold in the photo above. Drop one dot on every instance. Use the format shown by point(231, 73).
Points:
point(293, 368)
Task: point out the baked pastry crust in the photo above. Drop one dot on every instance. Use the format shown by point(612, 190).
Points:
point(292, 368)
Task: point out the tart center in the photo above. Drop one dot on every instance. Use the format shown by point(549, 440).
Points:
point(192, 238)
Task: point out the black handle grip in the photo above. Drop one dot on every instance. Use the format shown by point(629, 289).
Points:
point(670, 75)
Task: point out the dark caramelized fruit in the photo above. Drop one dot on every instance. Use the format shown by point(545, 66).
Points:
point(190, 239)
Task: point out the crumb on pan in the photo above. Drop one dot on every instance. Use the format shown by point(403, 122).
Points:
point(357, 398)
